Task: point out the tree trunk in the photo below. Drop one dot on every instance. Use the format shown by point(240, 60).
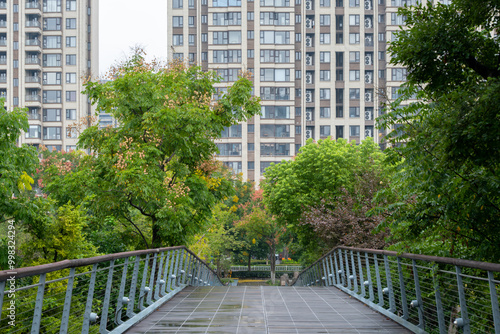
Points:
point(249, 261)
point(218, 266)
point(272, 250)
point(155, 237)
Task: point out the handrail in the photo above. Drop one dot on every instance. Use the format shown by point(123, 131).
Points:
point(418, 291)
point(267, 268)
point(97, 293)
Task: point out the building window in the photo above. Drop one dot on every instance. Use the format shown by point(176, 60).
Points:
point(52, 23)
point(324, 112)
point(227, 37)
point(71, 5)
point(354, 130)
point(339, 38)
point(354, 112)
point(354, 38)
point(381, 18)
point(251, 165)
point(71, 114)
point(51, 6)
point(354, 20)
point(339, 75)
point(177, 3)
point(178, 55)
point(339, 111)
point(275, 149)
point(51, 78)
point(51, 60)
point(191, 21)
point(52, 42)
point(324, 3)
point(226, 56)
point(70, 23)
point(250, 128)
point(226, 19)
point(339, 131)
point(191, 39)
point(397, 19)
point(271, 74)
point(70, 60)
point(275, 93)
point(381, 55)
point(233, 131)
point(177, 39)
point(250, 53)
point(177, 21)
point(354, 93)
point(204, 38)
point(399, 74)
point(204, 56)
point(339, 59)
point(324, 94)
point(51, 96)
point(324, 75)
point(71, 96)
point(298, 37)
point(324, 20)
point(250, 16)
point(71, 78)
point(274, 37)
point(354, 56)
point(33, 131)
point(51, 132)
point(381, 37)
point(324, 38)
point(298, 55)
point(339, 25)
point(353, 3)
point(324, 57)
point(339, 95)
point(204, 19)
point(191, 3)
point(229, 149)
point(71, 41)
point(71, 132)
point(381, 74)
point(354, 75)
point(250, 34)
point(324, 130)
point(51, 115)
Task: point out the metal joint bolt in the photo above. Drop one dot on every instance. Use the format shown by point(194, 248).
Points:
point(351, 277)
point(459, 322)
point(340, 271)
point(196, 278)
point(146, 289)
point(385, 291)
point(323, 278)
point(162, 282)
point(331, 275)
point(125, 300)
point(414, 303)
point(173, 276)
point(190, 275)
point(93, 317)
point(183, 272)
point(366, 283)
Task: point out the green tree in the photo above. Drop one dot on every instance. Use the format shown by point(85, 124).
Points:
point(158, 163)
point(320, 172)
point(446, 145)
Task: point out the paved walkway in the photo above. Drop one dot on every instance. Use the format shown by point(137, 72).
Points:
point(257, 310)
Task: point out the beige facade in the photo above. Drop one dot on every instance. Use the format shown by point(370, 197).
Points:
point(47, 48)
point(318, 66)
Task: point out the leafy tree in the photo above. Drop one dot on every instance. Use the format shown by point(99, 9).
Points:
point(446, 145)
point(158, 163)
point(318, 175)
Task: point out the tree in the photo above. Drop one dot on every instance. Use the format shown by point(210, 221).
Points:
point(158, 163)
point(446, 145)
point(319, 174)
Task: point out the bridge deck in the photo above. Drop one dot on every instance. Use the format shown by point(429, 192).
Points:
point(265, 310)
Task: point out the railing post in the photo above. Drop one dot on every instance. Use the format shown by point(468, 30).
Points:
point(355, 278)
point(402, 289)
point(37, 316)
point(174, 272)
point(2, 293)
point(361, 278)
point(67, 302)
point(369, 278)
point(149, 299)
point(119, 303)
point(182, 271)
point(332, 270)
point(419, 305)
point(133, 286)
point(439, 305)
point(142, 292)
point(107, 297)
point(464, 323)
point(379, 283)
point(158, 277)
point(326, 269)
point(90, 298)
point(494, 302)
point(337, 273)
point(347, 271)
point(392, 300)
point(166, 279)
point(342, 273)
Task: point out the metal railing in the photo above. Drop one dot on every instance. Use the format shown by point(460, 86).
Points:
point(426, 294)
point(266, 268)
point(103, 294)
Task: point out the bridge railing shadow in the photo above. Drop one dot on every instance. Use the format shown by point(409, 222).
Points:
point(426, 294)
point(102, 294)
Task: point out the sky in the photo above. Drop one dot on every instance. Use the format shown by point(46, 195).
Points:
point(124, 24)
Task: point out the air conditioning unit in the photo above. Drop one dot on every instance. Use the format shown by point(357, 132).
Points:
point(368, 97)
point(368, 116)
point(309, 78)
point(368, 4)
point(369, 77)
point(309, 23)
point(308, 134)
point(309, 60)
point(368, 23)
point(309, 116)
point(309, 41)
point(309, 5)
point(368, 133)
point(368, 60)
point(309, 97)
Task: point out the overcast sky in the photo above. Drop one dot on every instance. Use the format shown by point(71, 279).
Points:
point(126, 23)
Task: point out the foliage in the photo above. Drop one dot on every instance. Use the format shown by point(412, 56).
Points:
point(319, 175)
point(445, 147)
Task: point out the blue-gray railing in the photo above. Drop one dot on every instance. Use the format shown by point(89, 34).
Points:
point(426, 294)
point(280, 268)
point(103, 294)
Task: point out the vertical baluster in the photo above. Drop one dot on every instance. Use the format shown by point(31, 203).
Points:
point(107, 297)
point(67, 302)
point(143, 291)
point(332, 270)
point(354, 275)
point(133, 287)
point(2, 294)
point(347, 271)
point(494, 302)
point(369, 279)
point(464, 323)
point(149, 298)
point(174, 271)
point(439, 305)
point(392, 300)
point(158, 277)
point(90, 298)
point(189, 271)
point(168, 262)
point(37, 316)
point(420, 305)
point(337, 273)
point(379, 283)
point(182, 269)
point(402, 289)
point(342, 273)
point(326, 271)
point(361, 278)
point(121, 293)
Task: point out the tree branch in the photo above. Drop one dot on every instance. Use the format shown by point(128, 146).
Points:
point(138, 230)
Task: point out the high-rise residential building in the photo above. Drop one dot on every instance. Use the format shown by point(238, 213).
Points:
point(47, 48)
point(319, 67)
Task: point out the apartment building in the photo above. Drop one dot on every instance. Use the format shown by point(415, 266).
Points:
point(47, 47)
point(318, 67)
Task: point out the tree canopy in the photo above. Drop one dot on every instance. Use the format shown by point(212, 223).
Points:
point(446, 146)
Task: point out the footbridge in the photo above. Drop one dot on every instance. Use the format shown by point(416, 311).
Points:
point(170, 290)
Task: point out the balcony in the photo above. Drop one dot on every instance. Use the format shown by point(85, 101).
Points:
point(33, 98)
point(32, 42)
point(3, 24)
point(32, 79)
point(32, 61)
point(33, 5)
point(33, 24)
point(3, 5)
point(33, 116)
point(3, 42)
point(3, 79)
